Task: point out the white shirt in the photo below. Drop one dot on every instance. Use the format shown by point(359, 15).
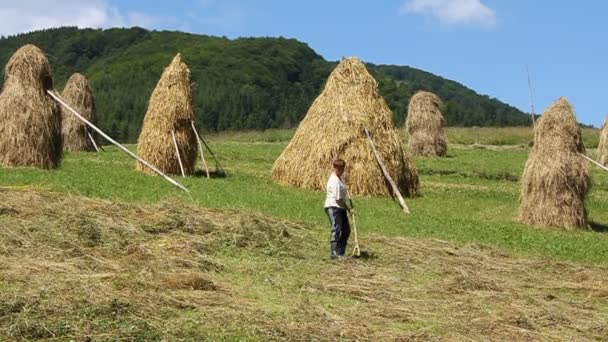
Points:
point(336, 191)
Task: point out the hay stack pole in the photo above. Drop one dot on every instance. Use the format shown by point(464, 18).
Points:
point(557, 177)
point(170, 108)
point(334, 128)
point(602, 147)
point(424, 125)
point(200, 148)
point(30, 121)
point(126, 150)
point(78, 94)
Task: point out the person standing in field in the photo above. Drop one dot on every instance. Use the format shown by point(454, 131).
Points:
point(335, 207)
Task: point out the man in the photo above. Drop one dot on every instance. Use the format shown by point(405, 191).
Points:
point(335, 207)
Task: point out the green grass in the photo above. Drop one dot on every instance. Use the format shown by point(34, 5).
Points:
point(469, 197)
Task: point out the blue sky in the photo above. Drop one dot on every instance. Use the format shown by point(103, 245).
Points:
point(483, 44)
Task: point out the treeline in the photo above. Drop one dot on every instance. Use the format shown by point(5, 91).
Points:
point(245, 83)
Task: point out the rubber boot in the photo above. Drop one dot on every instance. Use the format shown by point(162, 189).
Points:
point(333, 250)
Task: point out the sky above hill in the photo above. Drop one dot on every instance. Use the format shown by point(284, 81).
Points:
point(483, 44)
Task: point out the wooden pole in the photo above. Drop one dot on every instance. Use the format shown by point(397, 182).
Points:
point(93, 141)
point(530, 93)
point(594, 162)
point(200, 147)
point(179, 158)
point(385, 172)
point(126, 150)
point(217, 161)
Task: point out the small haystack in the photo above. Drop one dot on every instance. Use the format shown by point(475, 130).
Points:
point(424, 126)
point(74, 132)
point(30, 120)
point(334, 128)
point(556, 178)
point(602, 147)
point(170, 110)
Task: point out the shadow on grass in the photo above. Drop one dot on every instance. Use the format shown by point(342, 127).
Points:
point(598, 227)
point(212, 174)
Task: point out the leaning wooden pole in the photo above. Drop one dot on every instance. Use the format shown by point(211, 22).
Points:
point(93, 141)
point(179, 157)
point(200, 147)
point(126, 150)
point(217, 161)
point(594, 162)
point(386, 174)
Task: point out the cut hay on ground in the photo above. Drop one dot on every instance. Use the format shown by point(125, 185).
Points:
point(74, 132)
point(556, 178)
point(30, 121)
point(77, 268)
point(424, 126)
point(334, 128)
point(602, 147)
point(170, 109)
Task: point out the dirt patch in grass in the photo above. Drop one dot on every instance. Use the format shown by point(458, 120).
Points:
point(77, 268)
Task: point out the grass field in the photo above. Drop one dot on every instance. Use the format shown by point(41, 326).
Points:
point(97, 249)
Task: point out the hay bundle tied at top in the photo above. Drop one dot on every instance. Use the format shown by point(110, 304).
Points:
point(75, 133)
point(170, 109)
point(334, 128)
point(424, 125)
point(602, 147)
point(556, 177)
point(30, 120)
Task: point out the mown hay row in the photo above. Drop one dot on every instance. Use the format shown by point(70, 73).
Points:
point(424, 126)
point(170, 109)
point(334, 128)
point(556, 177)
point(30, 121)
point(75, 133)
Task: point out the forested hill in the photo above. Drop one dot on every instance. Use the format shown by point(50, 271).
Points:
point(245, 83)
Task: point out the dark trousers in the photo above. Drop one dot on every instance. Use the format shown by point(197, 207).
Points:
point(340, 230)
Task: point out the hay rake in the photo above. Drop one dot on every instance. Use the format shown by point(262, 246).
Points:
point(356, 249)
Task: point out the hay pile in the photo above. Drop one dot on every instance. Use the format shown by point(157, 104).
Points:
point(170, 108)
point(334, 128)
point(602, 147)
point(30, 120)
point(424, 126)
point(556, 178)
point(78, 94)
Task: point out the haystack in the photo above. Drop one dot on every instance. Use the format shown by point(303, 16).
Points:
point(75, 133)
point(424, 126)
point(334, 128)
point(602, 147)
point(170, 109)
point(30, 120)
point(556, 178)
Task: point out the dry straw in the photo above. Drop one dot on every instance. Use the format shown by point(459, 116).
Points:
point(30, 121)
point(556, 178)
point(424, 125)
point(170, 109)
point(334, 128)
point(74, 132)
point(602, 147)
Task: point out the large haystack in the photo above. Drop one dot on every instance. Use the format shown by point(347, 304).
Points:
point(556, 178)
point(170, 108)
point(334, 128)
point(30, 120)
point(424, 126)
point(75, 133)
point(602, 147)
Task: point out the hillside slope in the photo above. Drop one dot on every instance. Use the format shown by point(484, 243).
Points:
point(246, 83)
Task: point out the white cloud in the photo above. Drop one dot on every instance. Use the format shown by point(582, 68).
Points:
point(28, 15)
point(453, 12)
